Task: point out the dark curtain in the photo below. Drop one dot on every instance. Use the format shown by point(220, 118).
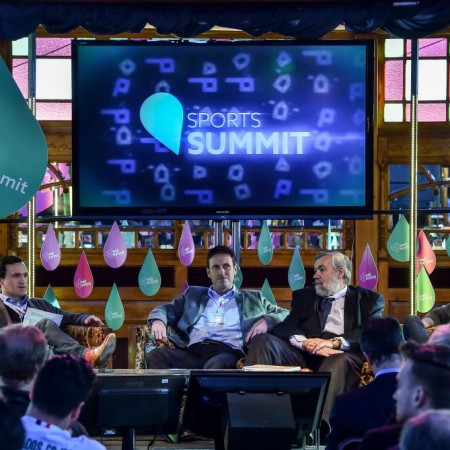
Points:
point(303, 21)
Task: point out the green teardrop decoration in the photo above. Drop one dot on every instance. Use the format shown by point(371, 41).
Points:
point(114, 312)
point(267, 292)
point(238, 278)
point(149, 278)
point(50, 297)
point(398, 242)
point(296, 272)
point(265, 245)
point(425, 292)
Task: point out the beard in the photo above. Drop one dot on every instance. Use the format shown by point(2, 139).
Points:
point(328, 288)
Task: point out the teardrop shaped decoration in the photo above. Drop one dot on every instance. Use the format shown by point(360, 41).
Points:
point(186, 246)
point(238, 278)
point(425, 292)
point(329, 236)
point(265, 245)
point(425, 254)
point(149, 278)
point(266, 292)
point(447, 246)
point(115, 249)
point(50, 297)
point(23, 154)
point(114, 312)
point(50, 251)
point(367, 270)
point(398, 241)
point(83, 280)
point(296, 272)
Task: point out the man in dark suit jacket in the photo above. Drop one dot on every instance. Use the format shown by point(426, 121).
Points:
point(210, 327)
point(14, 302)
point(323, 329)
point(422, 385)
point(362, 408)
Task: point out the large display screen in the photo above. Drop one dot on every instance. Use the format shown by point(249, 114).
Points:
point(223, 130)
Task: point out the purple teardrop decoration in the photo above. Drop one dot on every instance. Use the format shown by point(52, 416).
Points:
point(50, 251)
point(83, 281)
point(115, 249)
point(367, 270)
point(186, 247)
point(425, 254)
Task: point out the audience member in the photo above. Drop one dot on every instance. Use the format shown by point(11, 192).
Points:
point(422, 385)
point(61, 387)
point(211, 326)
point(323, 329)
point(12, 433)
point(363, 408)
point(23, 351)
point(15, 302)
point(415, 328)
point(429, 430)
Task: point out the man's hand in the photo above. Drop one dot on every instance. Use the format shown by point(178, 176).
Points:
point(317, 346)
point(93, 321)
point(159, 331)
point(258, 328)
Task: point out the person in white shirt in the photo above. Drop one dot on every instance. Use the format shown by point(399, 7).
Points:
point(58, 395)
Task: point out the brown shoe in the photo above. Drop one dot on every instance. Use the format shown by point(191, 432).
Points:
point(98, 356)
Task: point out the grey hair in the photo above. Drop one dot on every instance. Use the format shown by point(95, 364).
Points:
point(338, 260)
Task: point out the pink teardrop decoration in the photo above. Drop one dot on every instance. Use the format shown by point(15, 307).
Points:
point(115, 249)
point(367, 270)
point(425, 254)
point(50, 251)
point(186, 247)
point(83, 281)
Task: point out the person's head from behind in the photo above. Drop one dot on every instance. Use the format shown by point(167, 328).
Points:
point(430, 429)
point(23, 351)
point(332, 272)
point(13, 277)
point(61, 388)
point(221, 268)
point(12, 432)
point(423, 379)
point(380, 341)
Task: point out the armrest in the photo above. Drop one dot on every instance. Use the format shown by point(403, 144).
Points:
point(88, 336)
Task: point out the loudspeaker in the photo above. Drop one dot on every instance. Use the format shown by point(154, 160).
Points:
point(259, 421)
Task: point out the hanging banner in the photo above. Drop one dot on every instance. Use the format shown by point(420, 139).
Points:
point(266, 292)
point(114, 312)
point(23, 154)
point(367, 270)
point(265, 245)
point(115, 249)
point(50, 251)
point(425, 254)
point(83, 281)
point(398, 242)
point(296, 272)
point(149, 278)
point(186, 247)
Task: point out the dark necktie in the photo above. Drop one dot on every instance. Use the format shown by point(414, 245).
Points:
point(325, 307)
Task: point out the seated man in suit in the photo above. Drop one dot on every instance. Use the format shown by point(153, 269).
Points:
point(14, 303)
point(323, 329)
point(362, 408)
point(211, 325)
point(416, 329)
point(422, 385)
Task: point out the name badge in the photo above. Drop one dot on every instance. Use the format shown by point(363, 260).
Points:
point(217, 319)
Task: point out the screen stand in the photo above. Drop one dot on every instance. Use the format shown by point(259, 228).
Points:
point(262, 421)
point(129, 439)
